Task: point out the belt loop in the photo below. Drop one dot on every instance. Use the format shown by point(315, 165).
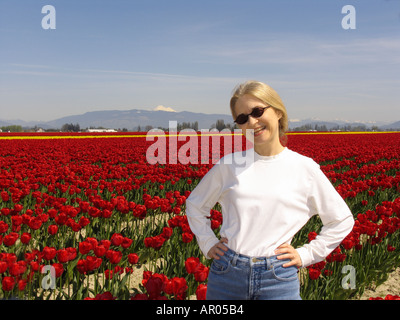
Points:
point(235, 256)
point(269, 263)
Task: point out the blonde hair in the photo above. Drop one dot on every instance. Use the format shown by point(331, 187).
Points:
point(267, 95)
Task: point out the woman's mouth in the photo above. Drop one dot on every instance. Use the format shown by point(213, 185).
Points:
point(258, 131)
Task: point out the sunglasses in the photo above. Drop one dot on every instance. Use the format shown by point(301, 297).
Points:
point(255, 113)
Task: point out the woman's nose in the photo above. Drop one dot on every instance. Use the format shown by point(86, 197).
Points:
point(252, 121)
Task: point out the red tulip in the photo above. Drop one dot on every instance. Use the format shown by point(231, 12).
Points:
point(35, 223)
point(100, 250)
point(17, 268)
point(8, 283)
point(3, 266)
point(114, 256)
point(177, 210)
point(59, 269)
point(153, 287)
point(179, 287)
point(167, 232)
point(116, 239)
point(126, 243)
point(52, 229)
point(133, 258)
point(201, 292)
point(3, 227)
point(34, 265)
point(85, 247)
point(16, 220)
point(187, 237)
point(4, 196)
point(314, 273)
point(102, 296)
point(83, 222)
point(192, 264)
point(81, 266)
point(392, 297)
point(10, 239)
point(93, 263)
point(108, 274)
point(22, 284)
point(49, 253)
point(62, 256)
point(140, 296)
point(201, 273)
point(154, 242)
point(26, 237)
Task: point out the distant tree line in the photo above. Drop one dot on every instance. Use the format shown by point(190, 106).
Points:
point(219, 125)
point(69, 127)
point(322, 128)
point(188, 125)
point(12, 128)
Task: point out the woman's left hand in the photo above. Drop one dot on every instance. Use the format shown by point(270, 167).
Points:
point(286, 251)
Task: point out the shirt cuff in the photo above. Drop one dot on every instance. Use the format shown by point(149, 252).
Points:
point(304, 256)
point(208, 246)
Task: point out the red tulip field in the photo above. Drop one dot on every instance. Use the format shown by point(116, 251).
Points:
point(86, 216)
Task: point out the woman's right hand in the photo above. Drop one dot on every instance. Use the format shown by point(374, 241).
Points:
point(218, 249)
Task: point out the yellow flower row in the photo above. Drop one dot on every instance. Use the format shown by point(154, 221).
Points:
point(85, 136)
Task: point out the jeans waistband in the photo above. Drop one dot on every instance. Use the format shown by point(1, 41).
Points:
point(238, 258)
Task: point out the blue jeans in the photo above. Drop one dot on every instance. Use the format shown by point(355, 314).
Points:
point(238, 277)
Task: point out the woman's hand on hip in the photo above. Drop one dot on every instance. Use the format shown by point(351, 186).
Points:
point(218, 249)
point(286, 251)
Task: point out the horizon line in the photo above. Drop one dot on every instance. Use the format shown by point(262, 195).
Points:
point(45, 135)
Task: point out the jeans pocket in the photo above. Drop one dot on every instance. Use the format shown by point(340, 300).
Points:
point(220, 266)
point(285, 274)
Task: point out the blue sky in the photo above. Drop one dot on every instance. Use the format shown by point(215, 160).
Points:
point(189, 55)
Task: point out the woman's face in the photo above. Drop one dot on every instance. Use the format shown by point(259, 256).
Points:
point(265, 129)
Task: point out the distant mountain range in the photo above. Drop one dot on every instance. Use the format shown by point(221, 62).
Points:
point(129, 119)
point(334, 124)
point(160, 117)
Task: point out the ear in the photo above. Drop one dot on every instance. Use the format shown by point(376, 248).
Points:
point(278, 113)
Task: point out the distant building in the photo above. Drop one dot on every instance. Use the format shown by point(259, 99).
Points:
point(102, 130)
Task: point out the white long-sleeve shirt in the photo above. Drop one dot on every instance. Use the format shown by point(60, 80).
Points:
point(265, 202)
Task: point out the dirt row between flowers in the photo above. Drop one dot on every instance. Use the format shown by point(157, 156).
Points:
point(390, 286)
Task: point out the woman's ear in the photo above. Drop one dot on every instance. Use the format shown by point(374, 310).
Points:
point(279, 113)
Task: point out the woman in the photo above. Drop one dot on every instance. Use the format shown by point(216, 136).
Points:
point(264, 204)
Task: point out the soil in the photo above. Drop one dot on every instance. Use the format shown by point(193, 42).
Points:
point(390, 286)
